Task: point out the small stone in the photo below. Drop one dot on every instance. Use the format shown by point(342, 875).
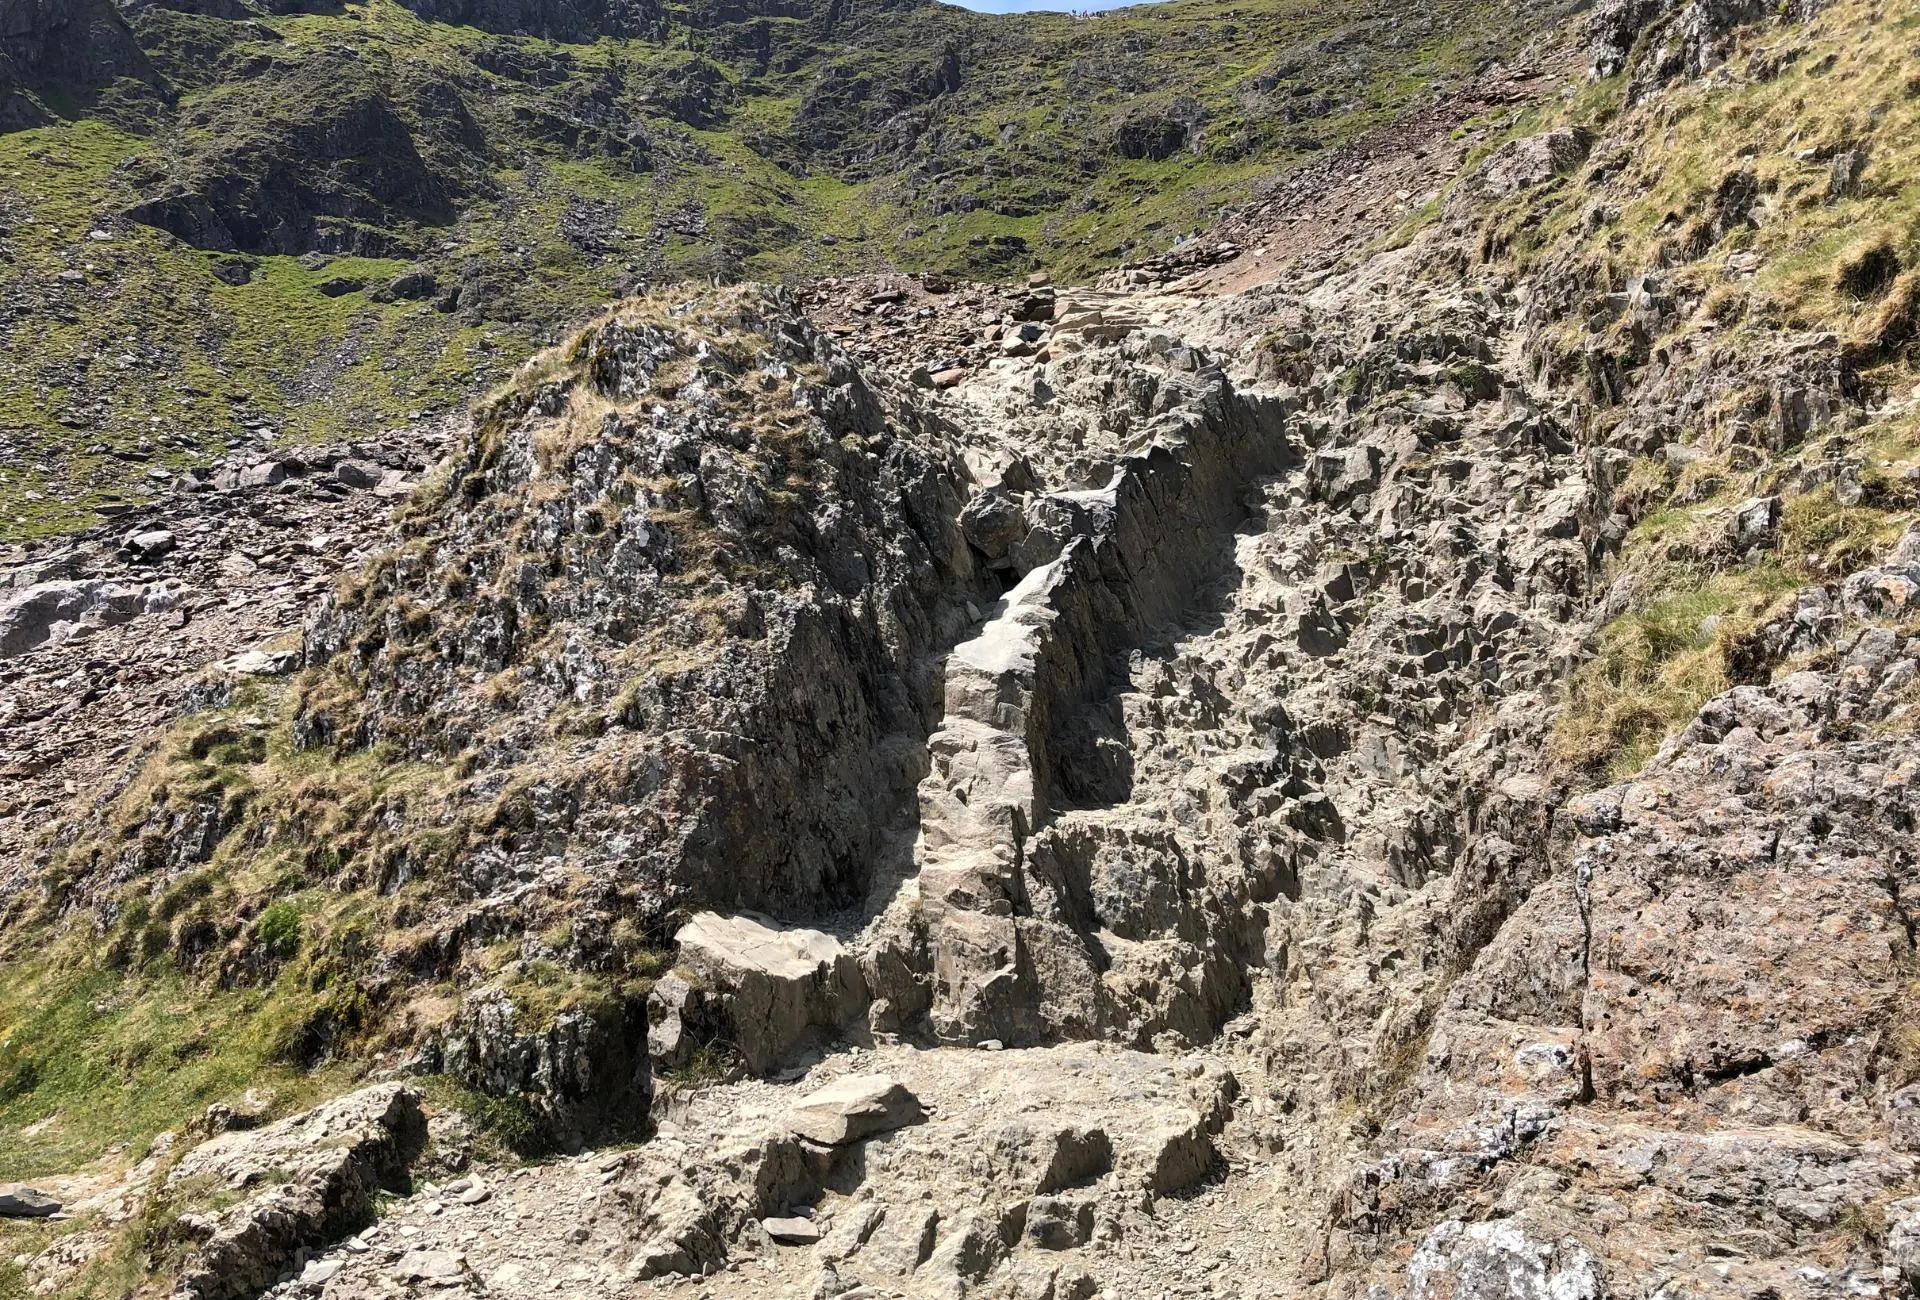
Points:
point(1756, 522)
point(265, 474)
point(319, 1271)
point(393, 483)
point(261, 663)
point(429, 1266)
point(151, 544)
point(356, 474)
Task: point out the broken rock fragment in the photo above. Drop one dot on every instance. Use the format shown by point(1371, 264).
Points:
point(854, 1108)
point(18, 1201)
point(431, 1266)
point(792, 1231)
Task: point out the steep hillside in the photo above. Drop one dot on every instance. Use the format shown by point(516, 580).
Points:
point(322, 220)
point(1369, 754)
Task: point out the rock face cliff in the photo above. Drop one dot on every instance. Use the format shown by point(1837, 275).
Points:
point(581, 21)
point(62, 57)
point(1333, 766)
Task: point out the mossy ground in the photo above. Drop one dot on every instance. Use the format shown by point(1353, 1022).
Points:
point(1847, 86)
point(259, 971)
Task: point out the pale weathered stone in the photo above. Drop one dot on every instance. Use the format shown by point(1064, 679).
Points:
point(18, 1201)
point(792, 1232)
point(852, 1109)
point(777, 987)
point(1481, 1261)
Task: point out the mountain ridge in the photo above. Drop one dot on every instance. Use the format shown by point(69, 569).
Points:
point(514, 184)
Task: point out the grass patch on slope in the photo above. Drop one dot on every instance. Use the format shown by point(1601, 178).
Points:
point(1802, 250)
point(1685, 641)
point(93, 1058)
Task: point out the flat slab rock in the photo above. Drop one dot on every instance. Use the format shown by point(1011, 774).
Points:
point(792, 1231)
point(430, 1266)
point(747, 942)
point(854, 1108)
point(20, 1202)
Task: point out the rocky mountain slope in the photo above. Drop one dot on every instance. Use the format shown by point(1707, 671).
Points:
point(1352, 758)
point(325, 221)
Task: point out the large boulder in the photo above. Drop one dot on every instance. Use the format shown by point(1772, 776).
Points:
point(18, 1201)
point(766, 990)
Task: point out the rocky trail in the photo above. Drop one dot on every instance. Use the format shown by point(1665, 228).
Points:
point(1272, 699)
point(1102, 753)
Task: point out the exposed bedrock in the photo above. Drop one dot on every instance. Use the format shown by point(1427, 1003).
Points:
point(726, 606)
point(63, 57)
point(1029, 727)
point(1268, 661)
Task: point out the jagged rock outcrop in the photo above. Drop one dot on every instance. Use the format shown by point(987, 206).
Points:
point(1027, 728)
point(714, 538)
point(1458, 1260)
point(353, 163)
point(584, 1073)
point(60, 57)
point(1118, 823)
point(948, 1202)
point(317, 1174)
